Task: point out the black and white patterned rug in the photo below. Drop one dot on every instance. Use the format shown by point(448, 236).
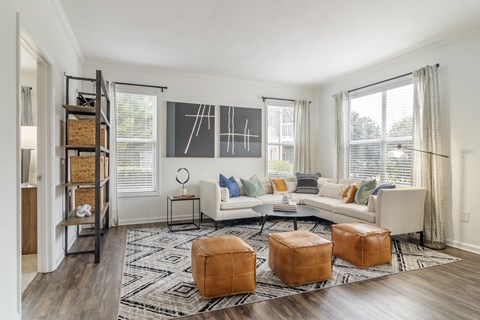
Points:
point(157, 281)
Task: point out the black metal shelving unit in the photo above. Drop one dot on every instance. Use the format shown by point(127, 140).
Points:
point(100, 219)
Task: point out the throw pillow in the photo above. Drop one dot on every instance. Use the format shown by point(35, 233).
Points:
point(224, 194)
point(307, 182)
point(383, 186)
point(365, 189)
point(372, 203)
point(331, 190)
point(291, 186)
point(279, 186)
point(348, 195)
point(231, 184)
point(253, 188)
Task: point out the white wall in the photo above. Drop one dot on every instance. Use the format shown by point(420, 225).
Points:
point(193, 89)
point(9, 183)
point(42, 23)
point(460, 111)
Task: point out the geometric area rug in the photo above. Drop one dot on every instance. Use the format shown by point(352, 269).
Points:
point(157, 281)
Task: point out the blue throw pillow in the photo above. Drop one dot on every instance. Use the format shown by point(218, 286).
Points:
point(383, 186)
point(231, 184)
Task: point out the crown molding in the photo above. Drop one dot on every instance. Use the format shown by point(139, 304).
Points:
point(62, 16)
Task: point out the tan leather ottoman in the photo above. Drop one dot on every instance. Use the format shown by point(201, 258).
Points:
point(223, 266)
point(300, 257)
point(361, 244)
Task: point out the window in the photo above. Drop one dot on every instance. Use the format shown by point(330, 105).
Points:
point(136, 142)
point(280, 144)
point(380, 118)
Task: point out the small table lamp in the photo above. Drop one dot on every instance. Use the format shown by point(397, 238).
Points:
point(28, 141)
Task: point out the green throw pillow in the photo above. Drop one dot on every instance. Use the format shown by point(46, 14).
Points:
point(364, 191)
point(253, 187)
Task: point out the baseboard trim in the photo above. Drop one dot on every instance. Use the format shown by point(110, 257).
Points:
point(123, 222)
point(463, 246)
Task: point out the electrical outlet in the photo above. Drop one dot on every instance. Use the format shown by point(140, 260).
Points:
point(465, 217)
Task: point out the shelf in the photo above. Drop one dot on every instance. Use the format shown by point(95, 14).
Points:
point(76, 221)
point(85, 184)
point(86, 148)
point(85, 111)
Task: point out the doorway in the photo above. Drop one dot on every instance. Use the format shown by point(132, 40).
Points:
point(36, 229)
point(28, 163)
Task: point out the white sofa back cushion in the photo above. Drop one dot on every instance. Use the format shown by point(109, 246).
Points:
point(331, 190)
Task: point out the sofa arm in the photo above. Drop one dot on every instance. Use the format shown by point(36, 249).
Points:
point(401, 210)
point(210, 198)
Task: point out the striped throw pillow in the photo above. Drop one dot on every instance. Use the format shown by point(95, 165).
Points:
point(307, 182)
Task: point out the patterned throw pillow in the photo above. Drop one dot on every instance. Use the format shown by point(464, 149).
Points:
point(279, 186)
point(348, 195)
point(307, 182)
point(364, 191)
point(231, 184)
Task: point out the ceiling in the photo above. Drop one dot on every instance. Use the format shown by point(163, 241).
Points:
point(302, 42)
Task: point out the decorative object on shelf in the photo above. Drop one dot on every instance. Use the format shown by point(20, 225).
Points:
point(240, 132)
point(400, 154)
point(183, 175)
point(29, 142)
point(190, 130)
point(287, 198)
point(83, 211)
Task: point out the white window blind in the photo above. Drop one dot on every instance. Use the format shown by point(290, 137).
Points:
point(281, 134)
point(136, 142)
point(380, 118)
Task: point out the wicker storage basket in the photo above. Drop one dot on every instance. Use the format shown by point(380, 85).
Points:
point(81, 132)
point(87, 196)
point(82, 168)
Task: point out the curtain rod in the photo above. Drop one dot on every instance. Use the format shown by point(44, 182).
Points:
point(379, 82)
point(141, 85)
point(267, 98)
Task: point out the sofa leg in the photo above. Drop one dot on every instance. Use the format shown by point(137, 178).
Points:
point(216, 226)
point(201, 216)
point(421, 237)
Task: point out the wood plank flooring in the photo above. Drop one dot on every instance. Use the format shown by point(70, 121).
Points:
point(81, 289)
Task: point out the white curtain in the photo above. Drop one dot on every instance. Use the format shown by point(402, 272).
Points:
point(341, 136)
point(27, 120)
point(427, 168)
point(113, 155)
point(302, 136)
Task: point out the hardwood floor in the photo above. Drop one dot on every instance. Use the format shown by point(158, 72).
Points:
point(81, 289)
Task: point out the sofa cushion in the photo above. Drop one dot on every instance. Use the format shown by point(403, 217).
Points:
point(241, 202)
point(331, 190)
point(365, 189)
point(355, 211)
point(307, 182)
point(224, 194)
point(322, 202)
point(231, 184)
point(275, 198)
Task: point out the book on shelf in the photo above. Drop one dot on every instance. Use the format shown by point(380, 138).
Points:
point(285, 207)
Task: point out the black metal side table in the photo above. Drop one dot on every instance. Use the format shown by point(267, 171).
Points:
point(171, 224)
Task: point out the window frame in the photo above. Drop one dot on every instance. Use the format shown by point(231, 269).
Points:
point(384, 140)
point(281, 104)
point(156, 140)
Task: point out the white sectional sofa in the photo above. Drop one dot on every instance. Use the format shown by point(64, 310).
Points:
point(400, 210)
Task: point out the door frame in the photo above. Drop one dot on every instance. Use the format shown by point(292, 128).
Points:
point(46, 193)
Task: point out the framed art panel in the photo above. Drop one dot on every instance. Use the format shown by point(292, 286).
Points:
point(190, 130)
point(240, 132)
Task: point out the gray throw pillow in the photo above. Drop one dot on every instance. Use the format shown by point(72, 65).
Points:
point(307, 182)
